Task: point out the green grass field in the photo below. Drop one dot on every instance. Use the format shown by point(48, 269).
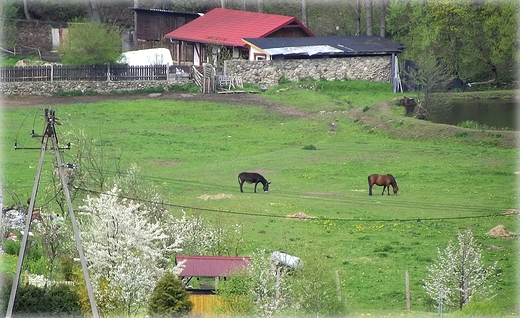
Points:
point(193, 149)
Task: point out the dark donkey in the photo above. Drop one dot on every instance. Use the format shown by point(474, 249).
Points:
point(385, 180)
point(253, 177)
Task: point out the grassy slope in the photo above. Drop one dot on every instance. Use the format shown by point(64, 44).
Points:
point(197, 148)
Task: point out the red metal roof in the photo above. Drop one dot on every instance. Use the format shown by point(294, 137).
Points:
point(210, 266)
point(228, 27)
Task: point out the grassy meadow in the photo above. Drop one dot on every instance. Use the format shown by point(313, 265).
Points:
point(194, 150)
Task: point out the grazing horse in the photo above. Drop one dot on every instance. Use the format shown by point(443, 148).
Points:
point(385, 180)
point(252, 177)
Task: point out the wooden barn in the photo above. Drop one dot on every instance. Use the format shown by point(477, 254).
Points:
point(218, 34)
point(152, 24)
point(204, 273)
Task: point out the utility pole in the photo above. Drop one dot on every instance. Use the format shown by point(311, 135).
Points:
point(50, 133)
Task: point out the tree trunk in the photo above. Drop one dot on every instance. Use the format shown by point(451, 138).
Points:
point(304, 12)
point(93, 10)
point(26, 10)
point(358, 17)
point(369, 17)
point(260, 5)
point(384, 5)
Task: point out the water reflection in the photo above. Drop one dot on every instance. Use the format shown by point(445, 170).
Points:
point(491, 112)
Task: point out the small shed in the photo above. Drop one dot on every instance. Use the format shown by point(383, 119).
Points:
point(216, 267)
point(318, 47)
point(219, 33)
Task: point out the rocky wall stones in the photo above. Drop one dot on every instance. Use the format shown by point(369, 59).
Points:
point(266, 74)
point(100, 87)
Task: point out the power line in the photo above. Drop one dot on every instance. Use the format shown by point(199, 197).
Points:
point(415, 219)
point(410, 205)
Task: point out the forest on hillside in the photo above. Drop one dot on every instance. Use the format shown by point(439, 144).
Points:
point(475, 40)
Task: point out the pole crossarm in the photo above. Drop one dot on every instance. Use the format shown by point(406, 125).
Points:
point(50, 133)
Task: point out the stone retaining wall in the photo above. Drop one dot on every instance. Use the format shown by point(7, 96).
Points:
point(266, 74)
point(263, 74)
point(51, 89)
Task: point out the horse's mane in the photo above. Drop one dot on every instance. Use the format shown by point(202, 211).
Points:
point(391, 176)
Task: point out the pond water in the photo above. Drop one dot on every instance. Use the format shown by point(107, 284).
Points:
point(491, 112)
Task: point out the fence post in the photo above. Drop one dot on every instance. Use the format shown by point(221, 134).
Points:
point(52, 73)
point(108, 72)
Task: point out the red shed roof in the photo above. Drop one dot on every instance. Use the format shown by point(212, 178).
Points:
point(210, 266)
point(228, 27)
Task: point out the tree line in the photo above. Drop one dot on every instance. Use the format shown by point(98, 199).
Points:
point(471, 39)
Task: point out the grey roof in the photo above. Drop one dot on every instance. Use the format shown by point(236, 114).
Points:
point(326, 45)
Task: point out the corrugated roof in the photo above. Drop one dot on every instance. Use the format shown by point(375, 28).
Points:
point(210, 266)
point(168, 12)
point(326, 45)
point(229, 27)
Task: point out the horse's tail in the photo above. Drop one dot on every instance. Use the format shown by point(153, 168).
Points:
point(369, 181)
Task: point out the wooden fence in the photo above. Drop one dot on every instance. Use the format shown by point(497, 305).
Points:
point(105, 72)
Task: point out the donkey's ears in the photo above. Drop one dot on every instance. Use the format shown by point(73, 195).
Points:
point(268, 182)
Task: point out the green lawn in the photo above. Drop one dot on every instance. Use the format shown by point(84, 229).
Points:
point(192, 149)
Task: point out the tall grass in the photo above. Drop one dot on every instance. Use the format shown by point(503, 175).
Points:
point(192, 149)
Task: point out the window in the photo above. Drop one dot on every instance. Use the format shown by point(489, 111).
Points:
point(260, 57)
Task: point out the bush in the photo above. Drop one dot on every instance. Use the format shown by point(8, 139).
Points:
point(480, 309)
point(11, 247)
point(90, 43)
point(309, 147)
point(169, 298)
point(56, 301)
point(67, 268)
point(189, 87)
point(6, 281)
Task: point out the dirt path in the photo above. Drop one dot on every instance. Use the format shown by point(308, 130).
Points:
point(235, 98)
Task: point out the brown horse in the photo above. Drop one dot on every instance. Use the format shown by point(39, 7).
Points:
point(385, 180)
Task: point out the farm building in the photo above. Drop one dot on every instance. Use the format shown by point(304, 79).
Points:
point(369, 58)
point(218, 34)
point(213, 268)
point(152, 24)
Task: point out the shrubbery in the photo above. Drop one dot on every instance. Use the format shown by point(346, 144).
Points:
point(169, 298)
point(59, 300)
point(11, 247)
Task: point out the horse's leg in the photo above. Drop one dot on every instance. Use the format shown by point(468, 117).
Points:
point(256, 183)
point(241, 184)
point(370, 185)
point(384, 188)
point(388, 189)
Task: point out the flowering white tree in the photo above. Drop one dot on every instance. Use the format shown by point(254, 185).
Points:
point(126, 253)
point(459, 274)
point(261, 289)
point(202, 238)
point(270, 289)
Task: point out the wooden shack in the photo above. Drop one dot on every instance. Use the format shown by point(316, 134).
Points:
point(209, 269)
